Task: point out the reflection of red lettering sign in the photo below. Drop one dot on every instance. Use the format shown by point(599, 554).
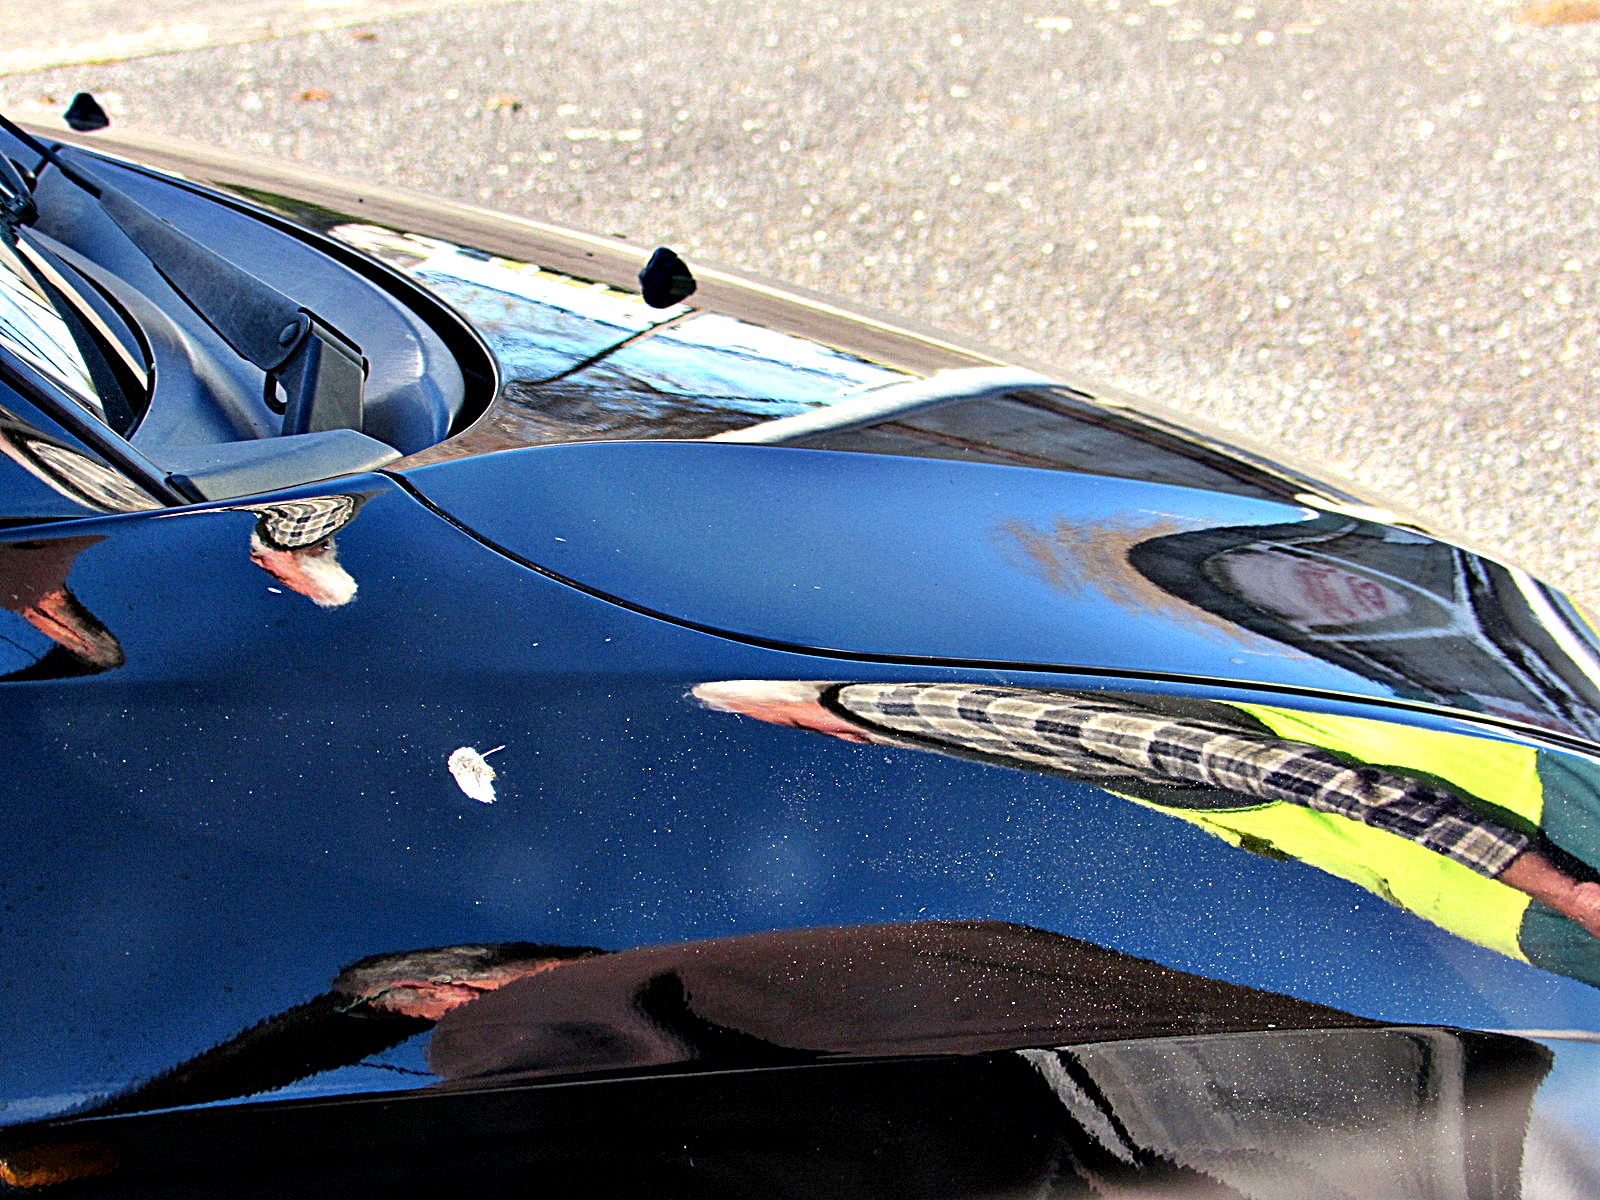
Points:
point(1309, 593)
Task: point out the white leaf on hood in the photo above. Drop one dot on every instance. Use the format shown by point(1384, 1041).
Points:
point(473, 775)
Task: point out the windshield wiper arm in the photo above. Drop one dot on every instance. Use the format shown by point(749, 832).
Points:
point(320, 374)
point(16, 197)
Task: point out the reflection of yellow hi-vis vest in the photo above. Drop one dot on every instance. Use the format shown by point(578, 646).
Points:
point(1434, 887)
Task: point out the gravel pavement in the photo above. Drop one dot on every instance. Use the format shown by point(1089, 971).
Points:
point(1363, 232)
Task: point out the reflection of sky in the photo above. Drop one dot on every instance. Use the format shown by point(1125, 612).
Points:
point(731, 336)
point(21, 645)
point(592, 302)
point(540, 323)
point(530, 340)
point(710, 356)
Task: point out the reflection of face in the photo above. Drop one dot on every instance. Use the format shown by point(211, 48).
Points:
point(313, 572)
point(780, 703)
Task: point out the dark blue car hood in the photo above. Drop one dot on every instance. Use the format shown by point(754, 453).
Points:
point(242, 859)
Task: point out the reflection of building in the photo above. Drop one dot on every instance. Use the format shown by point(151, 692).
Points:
point(1430, 620)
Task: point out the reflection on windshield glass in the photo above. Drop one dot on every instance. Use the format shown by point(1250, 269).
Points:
point(582, 361)
point(1493, 840)
point(31, 329)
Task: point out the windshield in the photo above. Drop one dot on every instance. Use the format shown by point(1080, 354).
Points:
point(32, 329)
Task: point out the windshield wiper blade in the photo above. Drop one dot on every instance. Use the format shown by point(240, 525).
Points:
point(319, 374)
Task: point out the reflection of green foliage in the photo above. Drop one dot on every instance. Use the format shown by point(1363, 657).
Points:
point(303, 212)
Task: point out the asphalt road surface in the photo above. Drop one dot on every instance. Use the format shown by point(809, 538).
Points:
point(1364, 233)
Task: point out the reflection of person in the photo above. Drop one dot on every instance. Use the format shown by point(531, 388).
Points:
point(942, 1058)
point(1425, 618)
point(927, 987)
point(293, 542)
point(373, 1005)
point(70, 472)
point(1403, 836)
point(33, 584)
point(1420, 618)
point(760, 999)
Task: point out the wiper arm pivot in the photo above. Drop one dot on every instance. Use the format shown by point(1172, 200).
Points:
point(322, 379)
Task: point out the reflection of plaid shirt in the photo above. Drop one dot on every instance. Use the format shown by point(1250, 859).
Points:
point(1102, 737)
point(297, 524)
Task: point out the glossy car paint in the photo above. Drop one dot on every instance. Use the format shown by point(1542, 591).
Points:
point(1021, 568)
point(202, 836)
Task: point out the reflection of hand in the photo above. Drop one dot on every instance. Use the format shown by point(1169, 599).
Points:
point(62, 618)
point(313, 571)
point(780, 702)
point(1533, 873)
point(1585, 908)
point(426, 999)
